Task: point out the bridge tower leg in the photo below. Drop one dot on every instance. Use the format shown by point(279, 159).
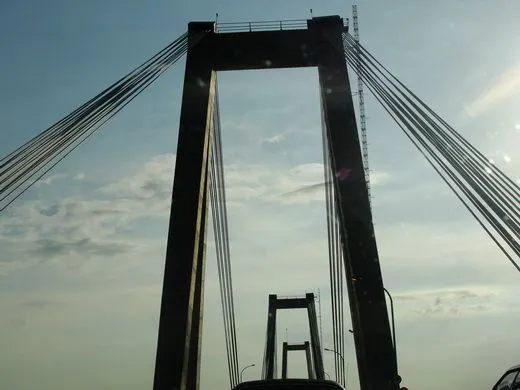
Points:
point(376, 360)
point(311, 370)
point(270, 351)
point(317, 357)
point(180, 324)
point(284, 359)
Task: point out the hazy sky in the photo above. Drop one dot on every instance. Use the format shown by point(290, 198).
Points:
point(82, 253)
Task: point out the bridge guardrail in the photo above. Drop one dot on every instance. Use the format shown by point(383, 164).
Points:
point(268, 25)
point(296, 24)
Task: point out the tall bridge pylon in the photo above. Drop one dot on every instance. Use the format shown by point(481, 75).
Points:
point(319, 45)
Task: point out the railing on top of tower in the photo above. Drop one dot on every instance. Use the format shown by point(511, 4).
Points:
point(272, 25)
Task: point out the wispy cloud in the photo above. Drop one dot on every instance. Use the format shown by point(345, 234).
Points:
point(97, 223)
point(93, 225)
point(274, 139)
point(51, 179)
point(376, 179)
point(505, 86)
point(152, 182)
point(101, 223)
point(451, 302)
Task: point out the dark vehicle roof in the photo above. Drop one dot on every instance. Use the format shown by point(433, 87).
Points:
point(286, 384)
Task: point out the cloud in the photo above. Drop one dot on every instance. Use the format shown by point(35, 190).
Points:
point(504, 86)
point(40, 304)
point(72, 232)
point(273, 140)
point(130, 215)
point(96, 224)
point(376, 179)
point(151, 183)
point(50, 179)
point(262, 199)
point(51, 248)
point(300, 184)
point(451, 302)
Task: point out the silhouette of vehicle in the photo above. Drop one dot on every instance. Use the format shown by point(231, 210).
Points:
point(510, 380)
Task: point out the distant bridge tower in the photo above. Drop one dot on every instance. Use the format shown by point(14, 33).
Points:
point(305, 346)
point(308, 303)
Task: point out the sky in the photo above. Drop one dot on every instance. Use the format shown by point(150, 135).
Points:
point(82, 253)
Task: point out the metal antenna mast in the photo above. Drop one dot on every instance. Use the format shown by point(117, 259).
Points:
point(362, 116)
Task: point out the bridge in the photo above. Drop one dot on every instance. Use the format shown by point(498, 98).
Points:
point(488, 194)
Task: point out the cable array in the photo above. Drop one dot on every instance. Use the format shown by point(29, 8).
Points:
point(23, 167)
point(220, 228)
point(491, 197)
point(335, 259)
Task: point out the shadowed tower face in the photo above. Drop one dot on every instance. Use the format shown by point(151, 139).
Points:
point(319, 45)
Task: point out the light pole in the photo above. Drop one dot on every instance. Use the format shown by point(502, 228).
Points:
point(341, 356)
point(243, 369)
